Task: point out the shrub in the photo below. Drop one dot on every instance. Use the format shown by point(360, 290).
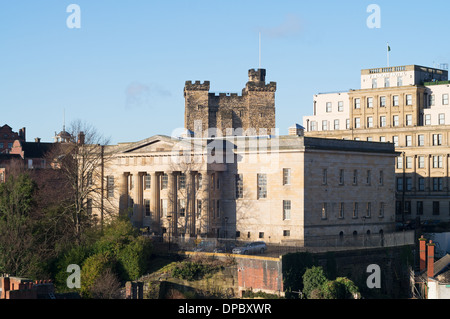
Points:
point(93, 268)
point(313, 278)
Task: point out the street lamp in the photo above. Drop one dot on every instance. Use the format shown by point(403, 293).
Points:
point(169, 217)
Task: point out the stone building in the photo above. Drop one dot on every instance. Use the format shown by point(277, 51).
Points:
point(253, 111)
point(280, 189)
point(409, 107)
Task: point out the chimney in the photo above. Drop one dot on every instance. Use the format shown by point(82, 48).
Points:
point(22, 134)
point(422, 253)
point(430, 266)
point(5, 287)
point(81, 138)
point(37, 140)
point(296, 130)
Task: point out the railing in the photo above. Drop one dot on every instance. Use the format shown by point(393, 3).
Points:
point(313, 243)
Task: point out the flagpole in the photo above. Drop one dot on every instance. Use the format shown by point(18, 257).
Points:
point(388, 49)
point(260, 50)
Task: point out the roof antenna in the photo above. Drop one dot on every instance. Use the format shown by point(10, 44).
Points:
point(260, 49)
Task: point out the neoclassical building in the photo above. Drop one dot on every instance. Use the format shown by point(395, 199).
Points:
point(409, 107)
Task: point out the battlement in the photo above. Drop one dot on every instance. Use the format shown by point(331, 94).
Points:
point(257, 75)
point(261, 87)
point(214, 94)
point(197, 86)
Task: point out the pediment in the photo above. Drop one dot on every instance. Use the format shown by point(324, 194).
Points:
point(153, 144)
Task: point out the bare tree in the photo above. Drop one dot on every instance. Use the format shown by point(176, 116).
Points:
point(81, 159)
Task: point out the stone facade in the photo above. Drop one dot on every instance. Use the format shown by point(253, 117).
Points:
point(253, 111)
point(280, 189)
point(409, 107)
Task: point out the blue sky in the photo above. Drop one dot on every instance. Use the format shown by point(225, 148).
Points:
point(124, 70)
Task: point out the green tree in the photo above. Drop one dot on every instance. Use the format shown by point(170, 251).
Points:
point(313, 278)
point(19, 248)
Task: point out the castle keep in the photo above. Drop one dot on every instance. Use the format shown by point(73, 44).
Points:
point(253, 111)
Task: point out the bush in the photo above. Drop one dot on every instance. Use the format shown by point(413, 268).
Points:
point(313, 278)
point(134, 257)
point(93, 268)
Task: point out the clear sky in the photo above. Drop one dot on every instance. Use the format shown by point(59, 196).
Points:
point(124, 70)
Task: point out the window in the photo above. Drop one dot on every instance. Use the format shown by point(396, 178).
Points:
point(368, 209)
point(164, 207)
point(395, 140)
point(369, 177)
point(147, 207)
point(261, 234)
point(110, 186)
point(399, 184)
point(370, 102)
point(387, 82)
point(355, 210)
point(395, 100)
point(381, 211)
point(374, 83)
point(381, 178)
point(341, 210)
point(382, 101)
point(431, 100)
point(419, 207)
point(436, 208)
point(182, 181)
point(182, 207)
point(239, 182)
point(370, 121)
point(382, 121)
point(408, 140)
point(262, 186)
point(369, 139)
point(336, 124)
point(420, 140)
point(341, 177)
point(409, 162)
point(347, 124)
point(313, 126)
point(324, 210)
point(328, 107)
point(437, 139)
point(382, 138)
point(441, 119)
point(324, 176)
point(355, 177)
point(437, 184)
point(409, 99)
point(357, 122)
point(409, 120)
point(199, 181)
point(421, 184)
point(218, 208)
point(399, 81)
point(340, 106)
point(147, 181)
point(357, 103)
point(400, 162)
point(164, 181)
point(444, 99)
point(324, 125)
point(89, 206)
point(286, 209)
point(409, 184)
point(437, 161)
point(286, 176)
point(395, 120)
point(427, 119)
point(421, 160)
point(286, 233)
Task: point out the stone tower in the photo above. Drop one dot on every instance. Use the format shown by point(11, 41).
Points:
point(253, 111)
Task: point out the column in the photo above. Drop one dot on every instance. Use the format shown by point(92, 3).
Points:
point(190, 202)
point(138, 198)
point(154, 199)
point(172, 202)
point(123, 193)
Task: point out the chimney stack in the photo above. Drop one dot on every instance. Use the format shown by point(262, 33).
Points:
point(422, 253)
point(430, 266)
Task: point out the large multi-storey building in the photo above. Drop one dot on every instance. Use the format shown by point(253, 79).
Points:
point(409, 107)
